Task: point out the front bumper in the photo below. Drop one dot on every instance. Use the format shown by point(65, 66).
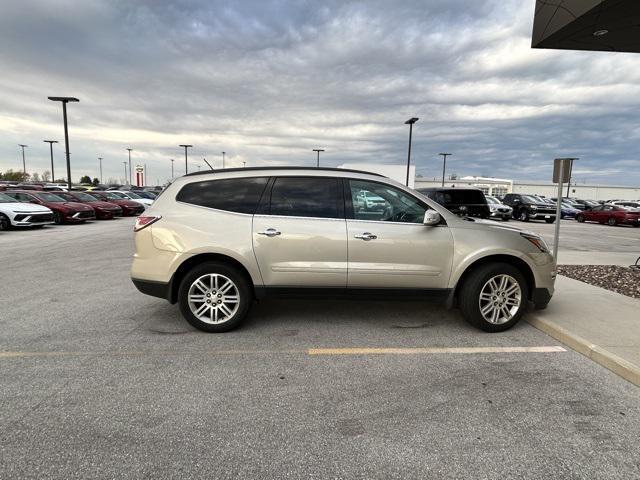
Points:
point(31, 219)
point(541, 216)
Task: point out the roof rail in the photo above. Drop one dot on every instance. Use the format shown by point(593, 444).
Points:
point(244, 169)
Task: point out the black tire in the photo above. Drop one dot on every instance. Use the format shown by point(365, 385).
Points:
point(469, 295)
point(243, 288)
point(612, 221)
point(57, 218)
point(5, 223)
point(523, 215)
point(505, 219)
point(580, 218)
point(549, 220)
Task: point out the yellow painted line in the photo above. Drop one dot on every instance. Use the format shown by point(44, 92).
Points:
point(310, 351)
point(431, 350)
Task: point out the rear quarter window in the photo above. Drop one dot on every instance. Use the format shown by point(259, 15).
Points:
point(240, 195)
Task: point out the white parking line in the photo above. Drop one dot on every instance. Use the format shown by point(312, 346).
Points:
point(431, 350)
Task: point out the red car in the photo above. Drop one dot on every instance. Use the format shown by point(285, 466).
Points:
point(611, 215)
point(129, 208)
point(104, 210)
point(63, 211)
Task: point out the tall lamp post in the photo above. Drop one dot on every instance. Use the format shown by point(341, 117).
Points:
point(186, 167)
point(100, 162)
point(318, 150)
point(444, 164)
point(51, 142)
point(64, 101)
point(410, 122)
point(125, 171)
point(24, 163)
point(172, 160)
point(223, 154)
point(130, 178)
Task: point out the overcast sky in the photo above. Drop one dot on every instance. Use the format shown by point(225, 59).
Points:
point(267, 81)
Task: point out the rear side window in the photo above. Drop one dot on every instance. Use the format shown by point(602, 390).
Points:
point(307, 197)
point(239, 195)
point(449, 197)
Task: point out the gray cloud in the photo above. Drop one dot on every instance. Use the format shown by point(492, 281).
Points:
point(267, 81)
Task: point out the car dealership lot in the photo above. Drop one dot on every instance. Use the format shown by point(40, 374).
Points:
point(99, 380)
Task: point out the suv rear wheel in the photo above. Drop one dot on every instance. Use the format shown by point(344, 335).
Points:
point(494, 297)
point(214, 297)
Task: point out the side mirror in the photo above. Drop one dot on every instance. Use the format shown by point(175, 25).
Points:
point(431, 218)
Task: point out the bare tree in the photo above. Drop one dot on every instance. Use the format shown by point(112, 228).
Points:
point(46, 176)
point(35, 177)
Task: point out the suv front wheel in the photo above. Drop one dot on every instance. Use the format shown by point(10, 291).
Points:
point(214, 297)
point(494, 297)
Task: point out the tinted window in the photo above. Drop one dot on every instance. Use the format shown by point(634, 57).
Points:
point(448, 197)
point(307, 197)
point(232, 194)
point(383, 203)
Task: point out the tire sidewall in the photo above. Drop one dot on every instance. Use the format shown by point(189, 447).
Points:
point(470, 293)
point(5, 223)
point(234, 275)
point(611, 221)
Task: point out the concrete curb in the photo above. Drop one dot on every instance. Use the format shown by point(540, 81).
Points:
point(600, 355)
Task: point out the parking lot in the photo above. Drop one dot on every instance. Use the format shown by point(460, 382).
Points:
point(99, 380)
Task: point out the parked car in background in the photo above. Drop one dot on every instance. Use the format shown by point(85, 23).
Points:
point(104, 210)
point(146, 194)
point(14, 213)
point(464, 202)
point(129, 195)
point(129, 207)
point(588, 204)
point(528, 207)
point(567, 209)
point(498, 209)
point(627, 203)
point(611, 215)
point(215, 241)
point(63, 210)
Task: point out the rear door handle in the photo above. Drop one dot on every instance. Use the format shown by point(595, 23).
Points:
point(366, 236)
point(270, 232)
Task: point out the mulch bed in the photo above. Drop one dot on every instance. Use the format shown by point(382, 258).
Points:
point(622, 280)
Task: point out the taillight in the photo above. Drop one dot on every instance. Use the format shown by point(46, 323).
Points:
point(143, 222)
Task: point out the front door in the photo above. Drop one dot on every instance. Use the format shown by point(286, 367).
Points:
point(300, 233)
point(389, 246)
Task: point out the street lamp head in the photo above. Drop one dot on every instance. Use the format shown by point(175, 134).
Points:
point(185, 146)
point(130, 149)
point(63, 99)
point(50, 141)
point(318, 149)
point(448, 154)
point(21, 145)
point(411, 121)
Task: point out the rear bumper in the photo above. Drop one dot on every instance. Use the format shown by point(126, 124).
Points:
point(154, 289)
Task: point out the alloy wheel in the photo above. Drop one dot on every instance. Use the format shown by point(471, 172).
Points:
point(500, 299)
point(213, 298)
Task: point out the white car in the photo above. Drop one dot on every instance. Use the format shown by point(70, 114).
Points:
point(18, 214)
point(133, 197)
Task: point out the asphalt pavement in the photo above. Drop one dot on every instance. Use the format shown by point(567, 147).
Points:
point(100, 381)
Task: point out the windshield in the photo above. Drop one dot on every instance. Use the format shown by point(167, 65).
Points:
point(7, 199)
point(112, 196)
point(84, 197)
point(132, 195)
point(50, 197)
point(493, 200)
point(119, 195)
point(532, 199)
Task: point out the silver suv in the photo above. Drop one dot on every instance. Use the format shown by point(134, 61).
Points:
point(215, 241)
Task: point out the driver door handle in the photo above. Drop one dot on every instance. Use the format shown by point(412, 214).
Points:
point(270, 232)
point(366, 236)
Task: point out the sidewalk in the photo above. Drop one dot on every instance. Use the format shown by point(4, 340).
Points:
point(603, 325)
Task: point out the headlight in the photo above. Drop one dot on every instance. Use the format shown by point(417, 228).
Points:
point(537, 241)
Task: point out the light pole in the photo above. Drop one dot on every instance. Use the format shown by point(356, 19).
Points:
point(444, 164)
point(186, 168)
point(318, 150)
point(64, 101)
point(100, 162)
point(410, 122)
point(570, 173)
point(129, 150)
point(24, 163)
point(144, 176)
point(223, 154)
point(125, 171)
point(244, 164)
point(51, 142)
point(172, 160)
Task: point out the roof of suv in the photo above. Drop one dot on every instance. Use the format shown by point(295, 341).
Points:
point(313, 169)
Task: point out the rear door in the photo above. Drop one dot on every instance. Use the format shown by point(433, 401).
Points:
point(389, 246)
point(299, 233)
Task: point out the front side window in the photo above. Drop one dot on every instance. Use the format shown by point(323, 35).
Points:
point(383, 203)
point(318, 197)
point(240, 195)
